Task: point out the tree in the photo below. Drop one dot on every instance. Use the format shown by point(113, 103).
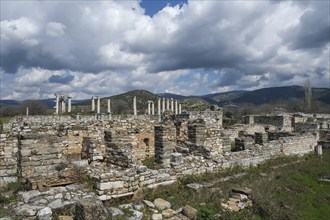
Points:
point(35, 107)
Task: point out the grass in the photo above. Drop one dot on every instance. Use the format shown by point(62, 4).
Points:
point(3, 120)
point(282, 188)
point(151, 164)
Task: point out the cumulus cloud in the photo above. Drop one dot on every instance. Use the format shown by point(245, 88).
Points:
point(108, 47)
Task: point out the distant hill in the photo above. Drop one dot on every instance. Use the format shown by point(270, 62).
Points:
point(274, 94)
point(171, 95)
point(225, 96)
point(123, 103)
point(9, 102)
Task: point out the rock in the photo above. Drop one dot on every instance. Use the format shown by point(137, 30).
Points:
point(126, 206)
point(195, 186)
point(56, 204)
point(149, 204)
point(142, 169)
point(27, 210)
point(162, 204)
point(45, 214)
point(136, 215)
point(115, 212)
point(189, 211)
point(58, 196)
point(168, 213)
point(179, 217)
point(138, 207)
point(233, 207)
point(138, 194)
point(90, 209)
point(27, 196)
point(242, 190)
point(156, 217)
point(65, 217)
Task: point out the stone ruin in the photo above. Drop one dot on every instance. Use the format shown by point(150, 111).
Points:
point(48, 151)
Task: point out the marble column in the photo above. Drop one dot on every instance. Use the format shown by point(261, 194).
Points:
point(109, 106)
point(69, 104)
point(163, 104)
point(159, 107)
point(27, 111)
point(167, 104)
point(56, 104)
point(63, 104)
point(172, 105)
point(180, 109)
point(152, 108)
point(176, 107)
point(98, 105)
point(93, 104)
point(134, 105)
point(149, 109)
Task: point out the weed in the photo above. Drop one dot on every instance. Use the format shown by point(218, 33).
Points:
point(151, 164)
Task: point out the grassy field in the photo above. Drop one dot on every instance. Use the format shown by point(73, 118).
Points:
point(282, 188)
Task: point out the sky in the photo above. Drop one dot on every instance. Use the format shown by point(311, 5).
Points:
point(104, 48)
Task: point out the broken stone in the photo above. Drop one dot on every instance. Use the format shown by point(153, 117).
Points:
point(45, 214)
point(156, 217)
point(195, 186)
point(115, 211)
point(90, 209)
point(65, 217)
point(56, 204)
point(27, 210)
point(190, 212)
point(149, 204)
point(168, 213)
point(27, 196)
point(162, 204)
point(242, 190)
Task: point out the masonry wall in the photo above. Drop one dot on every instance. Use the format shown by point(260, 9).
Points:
point(282, 122)
point(116, 182)
point(211, 118)
point(40, 154)
point(8, 159)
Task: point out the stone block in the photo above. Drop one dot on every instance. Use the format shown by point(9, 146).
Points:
point(45, 214)
point(162, 204)
point(110, 185)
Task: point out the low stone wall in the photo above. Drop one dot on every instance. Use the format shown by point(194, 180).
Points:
point(282, 122)
point(114, 182)
point(8, 159)
point(211, 118)
point(40, 154)
point(305, 127)
point(298, 144)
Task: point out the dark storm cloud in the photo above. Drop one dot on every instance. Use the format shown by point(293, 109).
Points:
point(313, 31)
point(61, 79)
point(247, 43)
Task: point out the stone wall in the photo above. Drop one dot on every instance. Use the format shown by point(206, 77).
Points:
point(8, 159)
point(137, 133)
point(40, 154)
point(282, 122)
point(298, 145)
point(305, 127)
point(165, 142)
point(212, 118)
point(114, 182)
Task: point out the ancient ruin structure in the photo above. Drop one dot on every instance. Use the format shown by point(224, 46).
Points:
point(60, 104)
point(46, 151)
